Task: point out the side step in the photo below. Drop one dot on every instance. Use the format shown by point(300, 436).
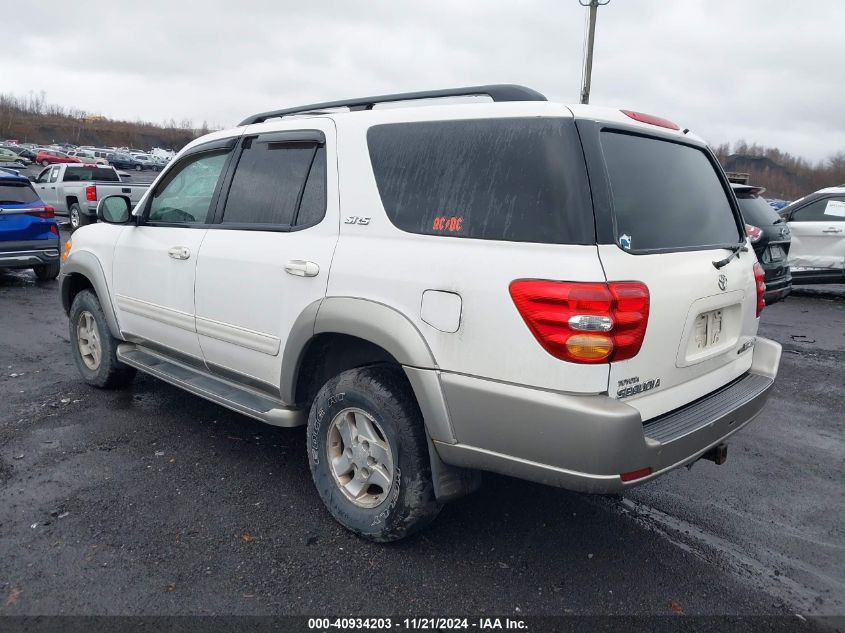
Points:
point(211, 388)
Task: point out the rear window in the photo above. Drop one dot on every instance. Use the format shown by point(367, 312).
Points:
point(666, 196)
point(520, 179)
point(14, 193)
point(81, 174)
point(755, 210)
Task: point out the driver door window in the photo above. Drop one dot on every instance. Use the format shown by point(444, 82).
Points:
point(185, 194)
point(821, 211)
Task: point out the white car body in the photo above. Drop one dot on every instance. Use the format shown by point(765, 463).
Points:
point(241, 302)
point(817, 223)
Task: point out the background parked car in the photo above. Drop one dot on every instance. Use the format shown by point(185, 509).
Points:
point(147, 161)
point(29, 235)
point(87, 156)
point(817, 223)
point(8, 156)
point(770, 238)
point(22, 151)
point(125, 161)
point(51, 156)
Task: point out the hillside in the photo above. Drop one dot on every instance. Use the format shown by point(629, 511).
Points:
point(783, 175)
point(30, 120)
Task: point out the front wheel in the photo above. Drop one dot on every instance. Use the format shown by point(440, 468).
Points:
point(46, 272)
point(138, 167)
point(93, 347)
point(368, 454)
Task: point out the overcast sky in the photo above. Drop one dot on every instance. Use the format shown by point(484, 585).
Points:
point(768, 71)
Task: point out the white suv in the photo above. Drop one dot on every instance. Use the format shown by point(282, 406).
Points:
point(559, 293)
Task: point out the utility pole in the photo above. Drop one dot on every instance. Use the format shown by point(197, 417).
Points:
point(588, 61)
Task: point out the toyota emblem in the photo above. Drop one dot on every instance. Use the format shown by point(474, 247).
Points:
point(723, 282)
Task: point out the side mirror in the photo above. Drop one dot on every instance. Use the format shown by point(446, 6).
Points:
point(114, 210)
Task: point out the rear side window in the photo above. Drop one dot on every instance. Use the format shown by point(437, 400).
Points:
point(666, 196)
point(277, 184)
point(824, 210)
point(16, 193)
point(520, 179)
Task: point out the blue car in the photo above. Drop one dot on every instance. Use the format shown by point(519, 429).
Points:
point(29, 234)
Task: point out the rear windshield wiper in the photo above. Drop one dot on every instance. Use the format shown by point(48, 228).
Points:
point(736, 249)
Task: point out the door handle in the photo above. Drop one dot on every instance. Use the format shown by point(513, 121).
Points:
point(301, 268)
point(831, 230)
point(179, 252)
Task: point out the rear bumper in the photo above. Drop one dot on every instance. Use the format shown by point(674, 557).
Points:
point(28, 254)
point(585, 443)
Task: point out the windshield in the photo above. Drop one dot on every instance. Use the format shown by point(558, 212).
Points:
point(757, 211)
point(666, 196)
point(17, 193)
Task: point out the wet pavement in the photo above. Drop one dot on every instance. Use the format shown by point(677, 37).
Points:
point(152, 501)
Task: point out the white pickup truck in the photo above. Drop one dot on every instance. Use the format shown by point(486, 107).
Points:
point(73, 190)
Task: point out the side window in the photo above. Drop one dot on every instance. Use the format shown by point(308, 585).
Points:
point(44, 175)
point(312, 209)
point(269, 183)
point(54, 175)
point(184, 196)
point(824, 210)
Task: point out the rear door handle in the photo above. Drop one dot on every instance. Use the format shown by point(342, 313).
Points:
point(179, 252)
point(302, 268)
point(831, 230)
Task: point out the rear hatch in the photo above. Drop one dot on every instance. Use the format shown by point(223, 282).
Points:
point(673, 216)
point(23, 217)
point(772, 247)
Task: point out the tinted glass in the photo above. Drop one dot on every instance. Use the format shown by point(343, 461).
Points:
point(16, 193)
point(665, 195)
point(313, 205)
point(820, 211)
point(521, 180)
point(184, 195)
point(78, 174)
point(755, 210)
point(267, 183)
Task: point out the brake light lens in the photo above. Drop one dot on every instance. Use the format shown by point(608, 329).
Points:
point(91, 193)
point(759, 276)
point(650, 119)
point(47, 212)
point(754, 233)
point(584, 322)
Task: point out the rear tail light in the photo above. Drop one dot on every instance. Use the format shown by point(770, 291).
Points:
point(754, 234)
point(636, 474)
point(650, 119)
point(91, 193)
point(759, 276)
point(584, 322)
point(47, 212)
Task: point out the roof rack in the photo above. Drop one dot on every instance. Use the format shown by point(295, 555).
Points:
point(497, 92)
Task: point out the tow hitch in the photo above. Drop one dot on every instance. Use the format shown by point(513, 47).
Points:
point(718, 454)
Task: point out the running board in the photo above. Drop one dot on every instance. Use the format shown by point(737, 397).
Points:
point(205, 386)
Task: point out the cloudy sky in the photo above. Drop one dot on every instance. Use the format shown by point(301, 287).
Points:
point(761, 70)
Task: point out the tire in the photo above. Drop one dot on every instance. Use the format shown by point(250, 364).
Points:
point(46, 272)
point(139, 167)
point(346, 407)
point(45, 163)
point(97, 369)
point(76, 217)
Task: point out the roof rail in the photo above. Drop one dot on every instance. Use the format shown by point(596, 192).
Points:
point(497, 92)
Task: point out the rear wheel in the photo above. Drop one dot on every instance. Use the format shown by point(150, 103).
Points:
point(46, 272)
point(45, 163)
point(369, 455)
point(93, 347)
point(77, 218)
